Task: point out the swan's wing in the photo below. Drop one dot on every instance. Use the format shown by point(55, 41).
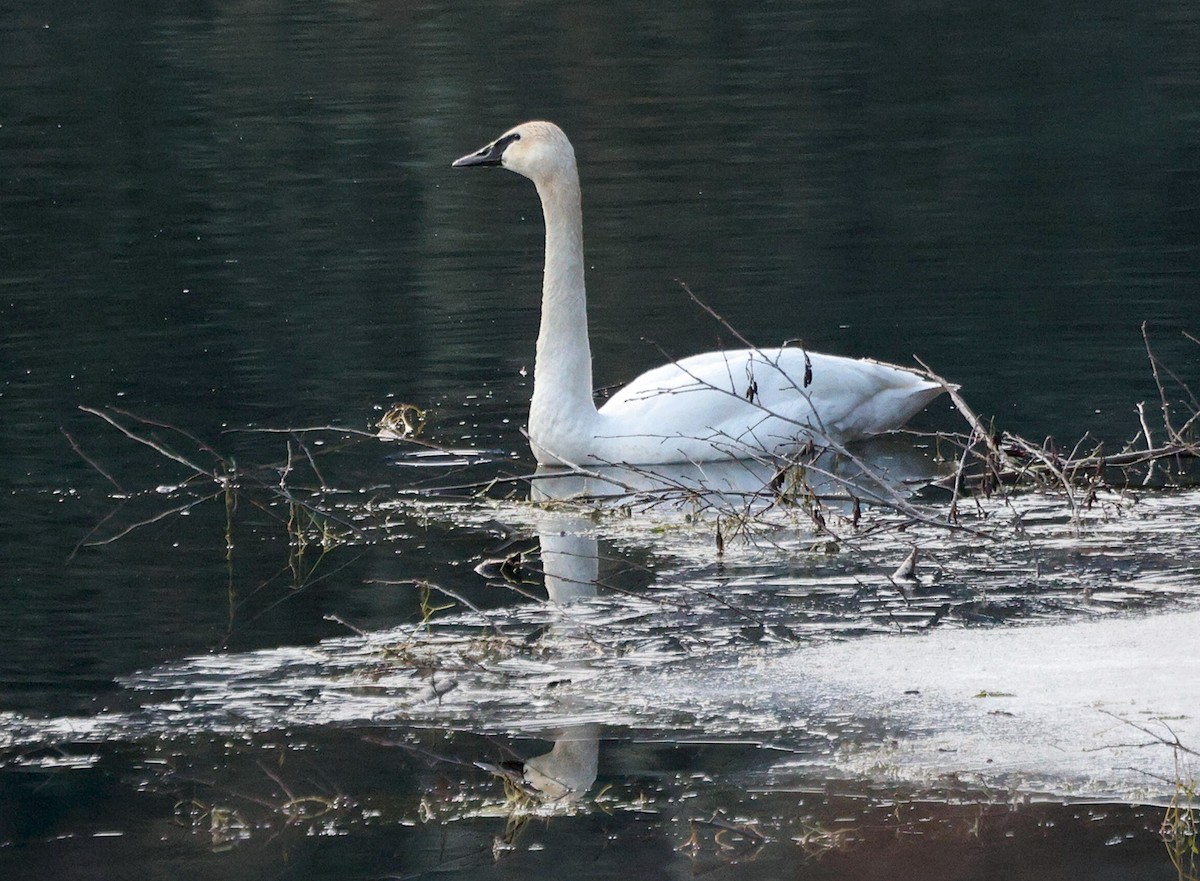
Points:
point(776, 395)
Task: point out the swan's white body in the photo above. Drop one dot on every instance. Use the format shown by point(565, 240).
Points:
point(719, 405)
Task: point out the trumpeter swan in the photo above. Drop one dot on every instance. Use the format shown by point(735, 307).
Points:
point(719, 405)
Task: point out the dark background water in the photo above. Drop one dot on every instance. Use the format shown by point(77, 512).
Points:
point(221, 215)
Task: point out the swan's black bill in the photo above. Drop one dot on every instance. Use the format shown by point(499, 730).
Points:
point(489, 155)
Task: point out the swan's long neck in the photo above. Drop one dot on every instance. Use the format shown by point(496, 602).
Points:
point(562, 387)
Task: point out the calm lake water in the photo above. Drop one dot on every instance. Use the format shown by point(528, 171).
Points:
point(232, 216)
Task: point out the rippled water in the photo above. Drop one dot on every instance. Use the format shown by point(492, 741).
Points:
point(224, 216)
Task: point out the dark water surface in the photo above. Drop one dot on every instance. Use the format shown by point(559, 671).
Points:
point(223, 216)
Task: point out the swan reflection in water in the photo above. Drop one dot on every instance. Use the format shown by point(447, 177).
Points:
point(879, 469)
point(886, 470)
point(570, 569)
point(568, 770)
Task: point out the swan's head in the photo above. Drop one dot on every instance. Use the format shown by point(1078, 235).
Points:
point(537, 150)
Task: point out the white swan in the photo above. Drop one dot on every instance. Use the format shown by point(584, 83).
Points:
point(719, 405)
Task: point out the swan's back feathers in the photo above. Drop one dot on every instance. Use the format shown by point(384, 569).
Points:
point(720, 404)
